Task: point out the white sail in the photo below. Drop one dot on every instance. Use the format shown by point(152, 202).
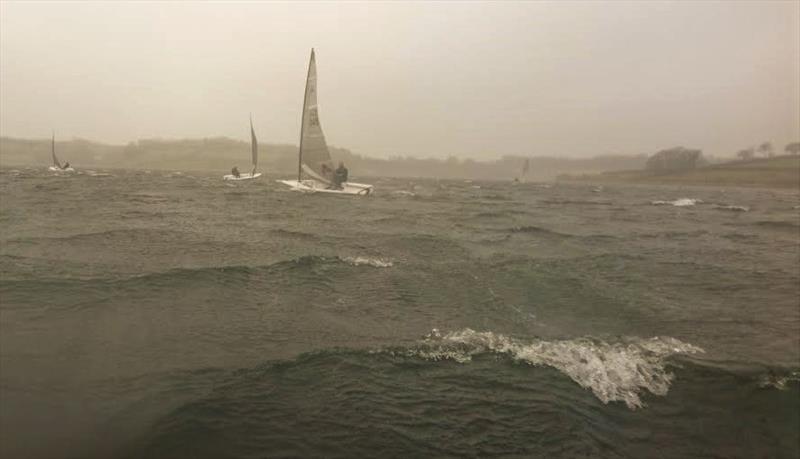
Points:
point(56, 163)
point(315, 159)
point(253, 144)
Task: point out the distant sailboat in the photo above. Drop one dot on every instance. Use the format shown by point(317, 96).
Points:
point(254, 151)
point(57, 167)
point(525, 168)
point(314, 159)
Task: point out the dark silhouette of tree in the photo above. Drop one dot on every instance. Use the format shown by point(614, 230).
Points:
point(747, 153)
point(675, 159)
point(793, 148)
point(766, 149)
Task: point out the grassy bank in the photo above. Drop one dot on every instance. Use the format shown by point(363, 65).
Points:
point(777, 172)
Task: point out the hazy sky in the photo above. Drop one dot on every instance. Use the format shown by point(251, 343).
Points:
point(476, 79)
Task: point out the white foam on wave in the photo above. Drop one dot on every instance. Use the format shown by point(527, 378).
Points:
point(683, 202)
point(618, 372)
point(779, 382)
point(374, 262)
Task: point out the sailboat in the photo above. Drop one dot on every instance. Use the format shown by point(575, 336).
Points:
point(314, 164)
point(254, 151)
point(525, 168)
point(57, 167)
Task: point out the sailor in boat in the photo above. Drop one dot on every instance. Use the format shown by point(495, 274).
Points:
point(235, 172)
point(66, 166)
point(339, 176)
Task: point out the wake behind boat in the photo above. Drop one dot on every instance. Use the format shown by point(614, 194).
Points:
point(315, 172)
point(57, 167)
point(235, 174)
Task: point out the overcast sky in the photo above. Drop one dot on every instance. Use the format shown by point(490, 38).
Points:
point(473, 79)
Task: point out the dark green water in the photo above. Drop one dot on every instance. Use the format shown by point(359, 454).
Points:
point(165, 315)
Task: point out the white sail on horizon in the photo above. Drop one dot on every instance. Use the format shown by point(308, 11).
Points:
point(56, 162)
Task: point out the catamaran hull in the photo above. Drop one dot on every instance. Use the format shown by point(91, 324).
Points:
point(247, 176)
point(312, 186)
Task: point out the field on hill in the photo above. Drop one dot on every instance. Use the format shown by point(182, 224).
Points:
point(777, 172)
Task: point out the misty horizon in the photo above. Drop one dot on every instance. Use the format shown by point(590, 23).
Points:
point(472, 80)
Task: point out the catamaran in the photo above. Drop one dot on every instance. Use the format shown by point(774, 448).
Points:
point(57, 167)
point(314, 165)
point(254, 150)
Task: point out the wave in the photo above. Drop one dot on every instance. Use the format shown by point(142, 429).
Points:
point(374, 262)
point(500, 213)
point(779, 381)
point(112, 234)
point(778, 224)
point(732, 208)
point(582, 202)
point(231, 274)
point(403, 193)
point(531, 229)
point(619, 371)
point(683, 202)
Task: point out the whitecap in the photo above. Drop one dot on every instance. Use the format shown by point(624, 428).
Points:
point(619, 371)
point(777, 381)
point(362, 261)
point(683, 202)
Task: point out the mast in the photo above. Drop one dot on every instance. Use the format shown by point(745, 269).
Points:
point(303, 119)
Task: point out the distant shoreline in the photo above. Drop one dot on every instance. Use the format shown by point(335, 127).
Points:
point(776, 172)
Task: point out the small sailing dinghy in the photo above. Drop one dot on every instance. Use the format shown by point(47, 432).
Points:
point(254, 150)
point(314, 166)
point(524, 176)
point(57, 167)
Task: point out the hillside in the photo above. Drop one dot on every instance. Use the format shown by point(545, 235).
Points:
point(777, 172)
point(221, 153)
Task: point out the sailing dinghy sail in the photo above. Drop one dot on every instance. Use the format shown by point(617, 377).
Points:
point(57, 167)
point(254, 152)
point(314, 158)
point(525, 168)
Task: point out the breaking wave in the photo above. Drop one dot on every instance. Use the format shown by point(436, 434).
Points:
point(683, 202)
point(780, 382)
point(374, 262)
point(614, 372)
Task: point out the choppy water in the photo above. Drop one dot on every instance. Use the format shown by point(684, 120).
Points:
point(176, 315)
